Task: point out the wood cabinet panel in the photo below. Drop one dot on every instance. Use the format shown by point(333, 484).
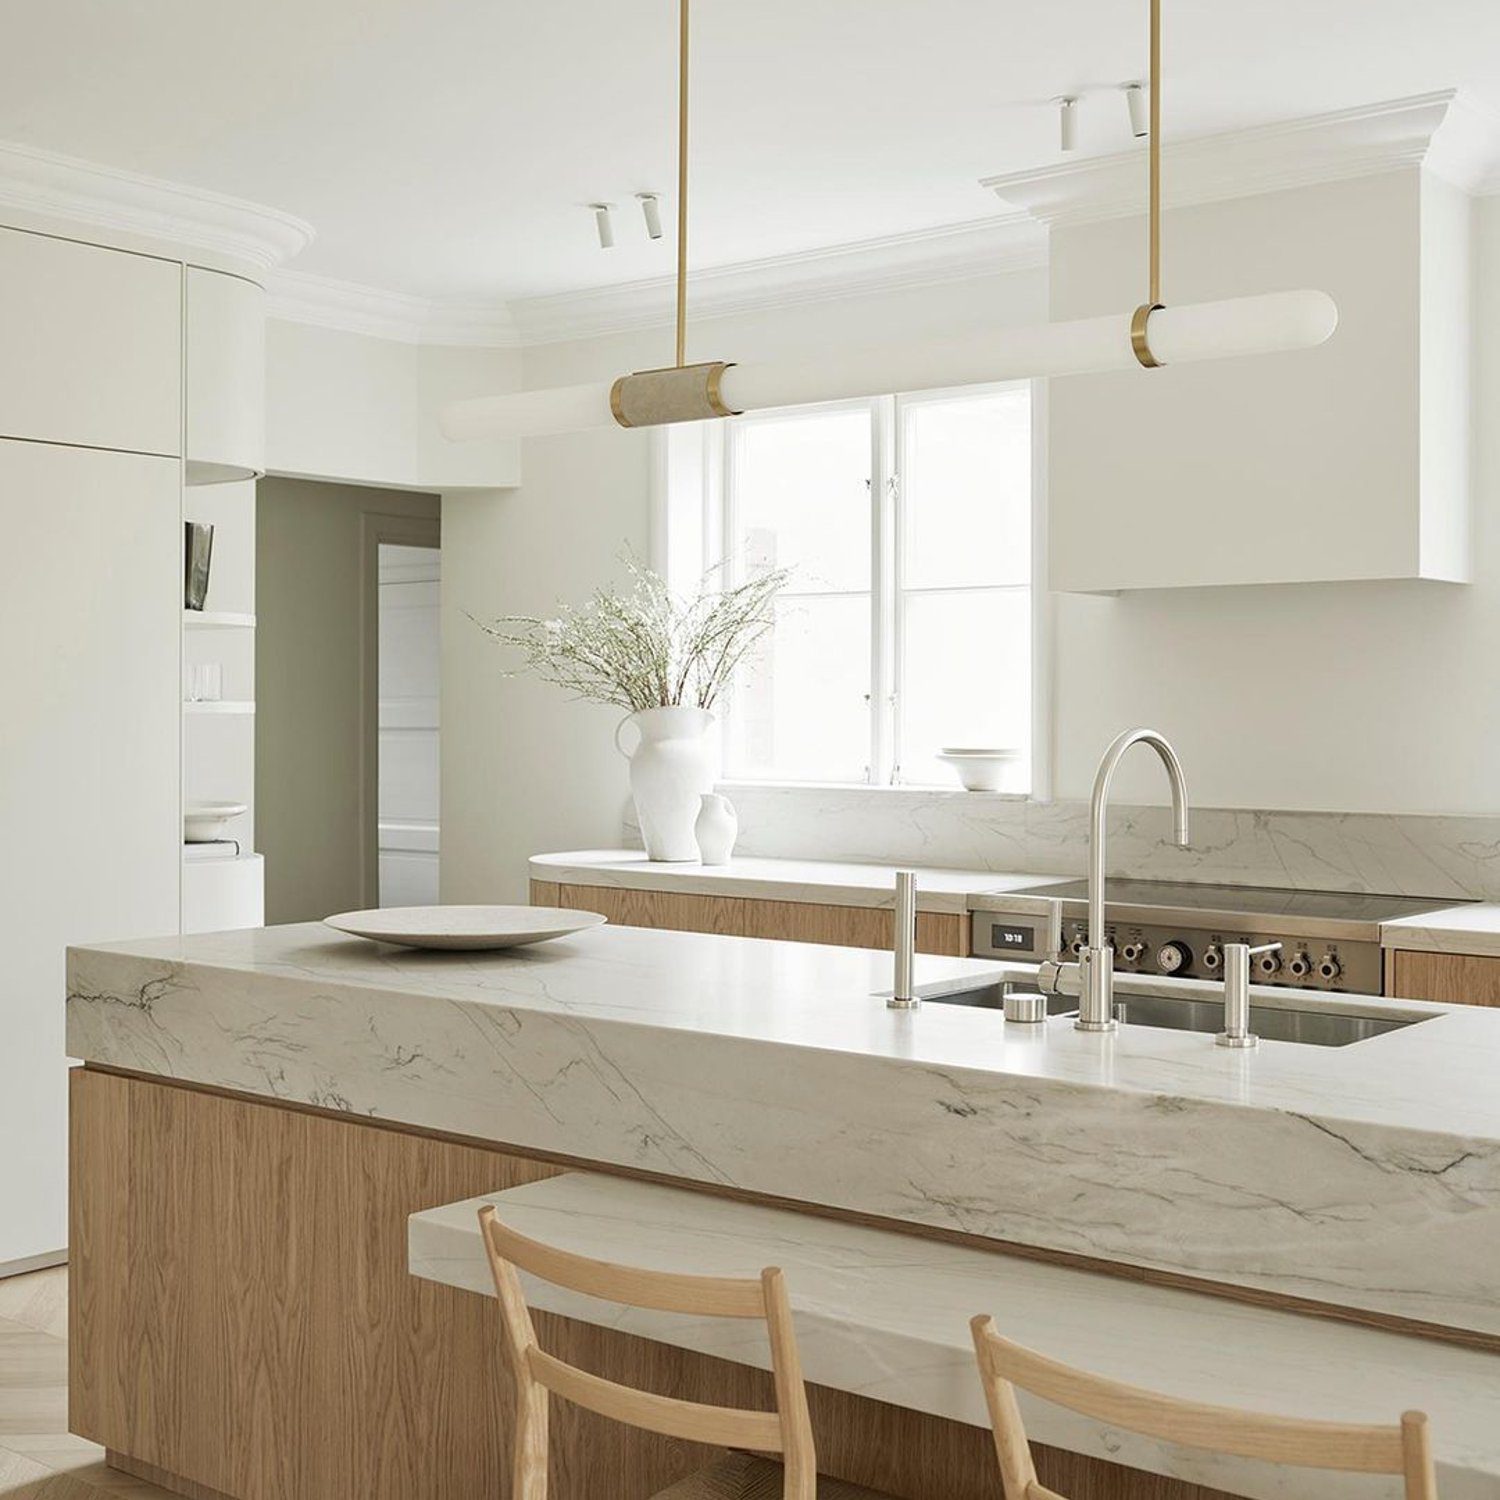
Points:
point(93, 345)
point(789, 921)
point(243, 1325)
point(1452, 978)
point(852, 926)
point(675, 911)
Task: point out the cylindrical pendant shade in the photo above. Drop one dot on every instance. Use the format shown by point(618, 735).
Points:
point(1267, 324)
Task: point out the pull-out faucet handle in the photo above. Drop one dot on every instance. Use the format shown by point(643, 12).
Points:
point(1237, 956)
point(904, 942)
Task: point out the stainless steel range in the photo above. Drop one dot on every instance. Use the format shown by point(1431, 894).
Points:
point(1329, 940)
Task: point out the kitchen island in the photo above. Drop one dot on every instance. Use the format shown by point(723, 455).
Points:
point(259, 1112)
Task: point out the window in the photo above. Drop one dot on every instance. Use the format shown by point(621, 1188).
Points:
point(907, 625)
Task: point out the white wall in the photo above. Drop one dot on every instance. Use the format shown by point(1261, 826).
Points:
point(524, 768)
point(362, 410)
point(1358, 697)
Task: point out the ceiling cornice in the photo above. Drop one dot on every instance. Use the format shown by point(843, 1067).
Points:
point(324, 302)
point(1449, 136)
point(183, 220)
point(957, 252)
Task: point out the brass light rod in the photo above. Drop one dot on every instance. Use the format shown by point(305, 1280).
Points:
point(682, 179)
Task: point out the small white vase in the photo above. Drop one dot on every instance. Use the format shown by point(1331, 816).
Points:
point(717, 828)
point(669, 773)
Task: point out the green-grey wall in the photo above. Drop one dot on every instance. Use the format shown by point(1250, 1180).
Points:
point(314, 727)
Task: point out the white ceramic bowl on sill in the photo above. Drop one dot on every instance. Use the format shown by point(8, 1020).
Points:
point(979, 768)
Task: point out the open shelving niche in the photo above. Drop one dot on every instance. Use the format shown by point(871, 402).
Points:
point(222, 889)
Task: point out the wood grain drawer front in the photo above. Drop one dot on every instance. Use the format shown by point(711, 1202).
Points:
point(789, 921)
point(1450, 978)
point(673, 910)
point(853, 926)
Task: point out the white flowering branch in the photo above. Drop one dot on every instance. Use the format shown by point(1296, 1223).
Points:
point(644, 648)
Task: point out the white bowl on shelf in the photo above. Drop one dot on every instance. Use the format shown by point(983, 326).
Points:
point(979, 768)
point(208, 822)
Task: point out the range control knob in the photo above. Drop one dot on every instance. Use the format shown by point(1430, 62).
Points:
point(1301, 965)
point(1173, 957)
point(1269, 963)
point(1329, 967)
point(1134, 951)
point(1213, 958)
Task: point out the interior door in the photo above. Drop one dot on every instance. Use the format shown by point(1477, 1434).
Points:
point(90, 826)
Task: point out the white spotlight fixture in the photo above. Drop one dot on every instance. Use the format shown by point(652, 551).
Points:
point(1135, 103)
point(1137, 341)
point(604, 224)
point(1067, 122)
point(651, 211)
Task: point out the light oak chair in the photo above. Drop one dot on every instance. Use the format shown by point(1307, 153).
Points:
point(787, 1431)
point(1404, 1448)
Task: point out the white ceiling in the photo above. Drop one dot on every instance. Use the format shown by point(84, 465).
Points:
point(444, 148)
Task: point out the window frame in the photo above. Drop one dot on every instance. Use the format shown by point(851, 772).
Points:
point(703, 467)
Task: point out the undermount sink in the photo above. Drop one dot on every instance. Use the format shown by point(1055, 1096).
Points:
point(1313, 1028)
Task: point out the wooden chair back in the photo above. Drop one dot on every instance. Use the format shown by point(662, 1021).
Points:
point(1404, 1448)
point(787, 1431)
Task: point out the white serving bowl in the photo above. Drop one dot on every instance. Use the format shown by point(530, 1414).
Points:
point(978, 768)
point(207, 822)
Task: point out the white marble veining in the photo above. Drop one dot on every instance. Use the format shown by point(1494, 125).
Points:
point(1367, 1176)
point(825, 882)
point(886, 1315)
point(1452, 858)
point(1459, 929)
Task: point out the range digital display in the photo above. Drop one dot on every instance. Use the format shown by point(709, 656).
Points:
point(1010, 938)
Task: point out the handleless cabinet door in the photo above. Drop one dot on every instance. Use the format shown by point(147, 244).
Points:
point(92, 345)
point(90, 823)
point(226, 377)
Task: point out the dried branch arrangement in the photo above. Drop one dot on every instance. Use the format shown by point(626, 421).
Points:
point(643, 647)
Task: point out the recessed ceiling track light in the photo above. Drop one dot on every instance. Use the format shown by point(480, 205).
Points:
point(651, 211)
point(1152, 335)
point(604, 224)
point(1067, 122)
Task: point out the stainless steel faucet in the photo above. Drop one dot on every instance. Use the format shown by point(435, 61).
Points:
point(1096, 1009)
point(1237, 956)
point(905, 942)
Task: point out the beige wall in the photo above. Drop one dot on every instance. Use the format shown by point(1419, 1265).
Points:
point(314, 728)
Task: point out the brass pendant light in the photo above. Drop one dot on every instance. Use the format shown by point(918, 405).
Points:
point(1153, 335)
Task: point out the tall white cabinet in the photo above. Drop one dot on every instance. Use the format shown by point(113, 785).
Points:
point(124, 376)
point(88, 771)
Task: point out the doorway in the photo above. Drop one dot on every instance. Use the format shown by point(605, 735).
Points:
point(407, 738)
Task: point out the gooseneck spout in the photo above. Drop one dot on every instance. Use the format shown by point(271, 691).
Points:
point(1096, 1010)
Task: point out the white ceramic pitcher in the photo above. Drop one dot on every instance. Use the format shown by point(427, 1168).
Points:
point(669, 773)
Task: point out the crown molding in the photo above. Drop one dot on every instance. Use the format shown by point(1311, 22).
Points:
point(1451, 137)
point(957, 252)
point(347, 307)
point(46, 186)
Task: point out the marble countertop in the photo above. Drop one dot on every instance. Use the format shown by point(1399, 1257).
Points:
point(1365, 1176)
point(886, 1316)
point(826, 882)
point(1472, 929)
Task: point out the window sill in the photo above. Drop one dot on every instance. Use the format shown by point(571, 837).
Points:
point(914, 795)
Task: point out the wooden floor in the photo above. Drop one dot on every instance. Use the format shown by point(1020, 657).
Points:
point(39, 1459)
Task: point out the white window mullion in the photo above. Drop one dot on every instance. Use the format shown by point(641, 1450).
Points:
point(895, 416)
point(883, 503)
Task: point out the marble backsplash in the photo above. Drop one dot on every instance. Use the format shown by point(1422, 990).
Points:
point(1394, 854)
